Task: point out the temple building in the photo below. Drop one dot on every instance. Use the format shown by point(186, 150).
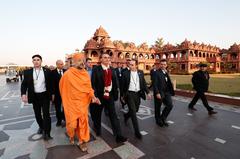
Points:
point(183, 58)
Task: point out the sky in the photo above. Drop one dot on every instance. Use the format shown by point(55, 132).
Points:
point(54, 28)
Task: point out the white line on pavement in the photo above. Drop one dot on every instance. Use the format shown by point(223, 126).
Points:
point(189, 114)
point(143, 132)
point(16, 122)
point(4, 97)
point(107, 128)
point(235, 127)
point(220, 140)
point(20, 117)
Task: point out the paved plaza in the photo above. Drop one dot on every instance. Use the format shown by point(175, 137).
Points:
point(191, 135)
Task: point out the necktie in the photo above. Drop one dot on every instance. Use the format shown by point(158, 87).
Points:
point(60, 73)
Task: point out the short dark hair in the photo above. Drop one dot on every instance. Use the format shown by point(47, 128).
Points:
point(202, 65)
point(103, 54)
point(163, 60)
point(88, 59)
point(136, 61)
point(37, 55)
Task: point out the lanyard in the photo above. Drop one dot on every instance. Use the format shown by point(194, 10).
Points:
point(37, 74)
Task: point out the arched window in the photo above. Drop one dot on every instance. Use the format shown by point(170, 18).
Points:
point(94, 54)
point(127, 55)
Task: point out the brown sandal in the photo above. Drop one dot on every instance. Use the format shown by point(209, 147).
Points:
point(83, 147)
point(71, 140)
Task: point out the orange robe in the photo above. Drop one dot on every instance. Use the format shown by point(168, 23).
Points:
point(76, 92)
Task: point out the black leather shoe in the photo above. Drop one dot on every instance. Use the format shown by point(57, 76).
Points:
point(160, 123)
point(120, 139)
point(192, 108)
point(47, 137)
point(211, 112)
point(138, 135)
point(40, 131)
point(97, 131)
point(165, 123)
point(59, 123)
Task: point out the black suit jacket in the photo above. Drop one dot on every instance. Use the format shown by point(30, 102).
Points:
point(152, 74)
point(160, 85)
point(27, 86)
point(98, 82)
point(126, 82)
point(56, 78)
point(200, 81)
point(118, 72)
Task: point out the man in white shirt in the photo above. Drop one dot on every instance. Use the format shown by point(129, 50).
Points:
point(133, 88)
point(36, 88)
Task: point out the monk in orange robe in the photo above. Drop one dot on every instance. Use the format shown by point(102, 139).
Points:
point(77, 93)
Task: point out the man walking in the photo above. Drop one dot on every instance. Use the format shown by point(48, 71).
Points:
point(77, 93)
point(163, 90)
point(134, 88)
point(36, 88)
point(105, 85)
point(56, 75)
point(200, 81)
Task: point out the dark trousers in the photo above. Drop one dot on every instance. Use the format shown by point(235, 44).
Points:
point(167, 101)
point(96, 115)
point(59, 109)
point(133, 102)
point(41, 105)
point(203, 98)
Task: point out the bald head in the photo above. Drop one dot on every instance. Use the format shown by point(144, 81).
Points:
point(59, 64)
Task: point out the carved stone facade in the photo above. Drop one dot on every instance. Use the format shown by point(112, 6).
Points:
point(183, 58)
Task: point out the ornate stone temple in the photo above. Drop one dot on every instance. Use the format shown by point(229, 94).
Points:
point(119, 51)
point(231, 59)
point(183, 58)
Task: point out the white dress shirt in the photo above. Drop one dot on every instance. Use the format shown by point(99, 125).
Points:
point(108, 88)
point(134, 82)
point(60, 71)
point(164, 72)
point(39, 80)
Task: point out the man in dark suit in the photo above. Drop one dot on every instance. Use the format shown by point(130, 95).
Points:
point(152, 74)
point(163, 90)
point(37, 89)
point(56, 75)
point(133, 89)
point(127, 68)
point(119, 71)
point(105, 85)
point(200, 81)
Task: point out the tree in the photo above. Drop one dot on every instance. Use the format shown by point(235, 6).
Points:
point(159, 43)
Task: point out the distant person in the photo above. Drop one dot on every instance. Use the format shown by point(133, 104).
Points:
point(125, 68)
point(152, 74)
point(37, 89)
point(89, 66)
point(163, 92)
point(77, 93)
point(20, 73)
point(51, 67)
point(56, 76)
point(200, 81)
point(119, 71)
